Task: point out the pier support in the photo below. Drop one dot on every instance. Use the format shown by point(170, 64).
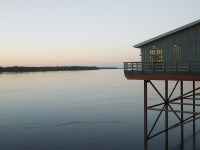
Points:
point(166, 114)
point(194, 107)
point(169, 100)
point(182, 117)
point(145, 116)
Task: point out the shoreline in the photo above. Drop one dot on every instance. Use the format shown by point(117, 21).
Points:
point(51, 68)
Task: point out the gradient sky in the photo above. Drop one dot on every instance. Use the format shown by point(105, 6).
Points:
point(85, 32)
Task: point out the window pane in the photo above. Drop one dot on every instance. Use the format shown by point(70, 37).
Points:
point(155, 55)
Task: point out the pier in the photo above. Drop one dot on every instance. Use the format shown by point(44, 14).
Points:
point(173, 58)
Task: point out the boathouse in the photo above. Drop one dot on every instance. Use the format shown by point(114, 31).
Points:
point(175, 56)
point(174, 53)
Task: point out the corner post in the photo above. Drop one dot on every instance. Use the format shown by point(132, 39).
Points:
point(132, 67)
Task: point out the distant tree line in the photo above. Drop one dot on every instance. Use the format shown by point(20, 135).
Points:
point(49, 68)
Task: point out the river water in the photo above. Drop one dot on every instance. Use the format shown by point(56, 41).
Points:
point(75, 110)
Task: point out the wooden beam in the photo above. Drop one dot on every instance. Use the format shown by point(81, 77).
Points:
point(178, 111)
point(185, 104)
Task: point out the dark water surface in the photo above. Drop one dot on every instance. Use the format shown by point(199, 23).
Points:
point(92, 110)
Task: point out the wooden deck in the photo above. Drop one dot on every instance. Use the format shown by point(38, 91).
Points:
point(162, 71)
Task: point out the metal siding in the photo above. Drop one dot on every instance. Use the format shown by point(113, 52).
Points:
point(188, 39)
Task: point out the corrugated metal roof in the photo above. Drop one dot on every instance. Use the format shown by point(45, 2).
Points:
point(166, 34)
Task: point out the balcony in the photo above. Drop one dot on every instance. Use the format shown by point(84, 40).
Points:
point(186, 71)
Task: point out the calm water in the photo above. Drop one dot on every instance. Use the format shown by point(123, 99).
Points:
point(92, 110)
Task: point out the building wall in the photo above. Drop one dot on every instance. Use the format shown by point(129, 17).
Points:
point(182, 46)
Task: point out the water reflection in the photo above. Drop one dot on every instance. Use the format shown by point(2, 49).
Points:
point(92, 110)
point(35, 126)
point(184, 144)
point(163, 122)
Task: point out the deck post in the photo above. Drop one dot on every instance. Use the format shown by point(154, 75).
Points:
point(189, 66)
point(182, 117)
point(194, 107)
point(132, 67)
point(166, 114)
point(194, 117)
point(145, 116)
point(163, 67)
point(153, 67)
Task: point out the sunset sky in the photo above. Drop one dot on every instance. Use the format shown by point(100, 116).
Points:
point(85, 32)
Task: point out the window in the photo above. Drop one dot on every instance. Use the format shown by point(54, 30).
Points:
point(155, 55)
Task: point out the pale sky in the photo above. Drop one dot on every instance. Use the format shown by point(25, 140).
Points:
point(85, 32)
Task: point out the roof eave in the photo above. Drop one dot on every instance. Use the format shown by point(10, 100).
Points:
point(139, 45)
